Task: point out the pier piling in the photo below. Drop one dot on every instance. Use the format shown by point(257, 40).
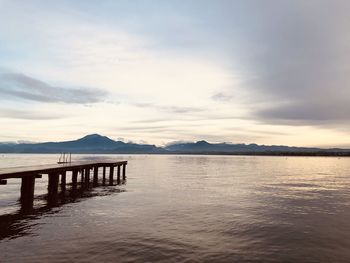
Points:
point(27, 192)
point(104, 175)
point(95, 181)
point(111, 173)
point(124, 171)
point(29, 174)
point(74, 179)
point(3, 182)
point(63, 181)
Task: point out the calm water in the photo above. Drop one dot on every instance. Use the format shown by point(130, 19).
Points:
point(188, 209)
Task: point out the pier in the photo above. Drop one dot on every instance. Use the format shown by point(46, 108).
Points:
point(80, 173)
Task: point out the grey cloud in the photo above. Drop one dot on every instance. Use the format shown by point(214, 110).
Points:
point(294, 54)
point(222, 97)
point(20, 86)
point(27, 115)
point(171, 109)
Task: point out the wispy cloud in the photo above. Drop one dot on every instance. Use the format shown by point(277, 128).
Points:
point(27, 115)
point(170, 109)
point(20, 86)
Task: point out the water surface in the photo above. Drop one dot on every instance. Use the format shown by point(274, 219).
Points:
point(188, 209)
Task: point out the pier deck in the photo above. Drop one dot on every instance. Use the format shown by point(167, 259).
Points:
point(55, 172)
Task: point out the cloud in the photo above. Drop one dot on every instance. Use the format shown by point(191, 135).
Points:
point(298, 57)
point(27, 115)
point(222, 97)
point(170, 109)
point(20, 86)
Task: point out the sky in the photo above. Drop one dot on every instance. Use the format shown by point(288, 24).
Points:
point(158, 71)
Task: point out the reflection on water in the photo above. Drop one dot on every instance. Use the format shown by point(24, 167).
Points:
point(189, 209)
point(19, 223)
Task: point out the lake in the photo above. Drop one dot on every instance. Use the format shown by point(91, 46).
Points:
point(177, 208)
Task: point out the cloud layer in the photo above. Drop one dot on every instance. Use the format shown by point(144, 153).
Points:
point(273, 72)
point(20, 86)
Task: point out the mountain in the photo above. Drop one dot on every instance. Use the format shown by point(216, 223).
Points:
point(95, 143)
point(204, 147)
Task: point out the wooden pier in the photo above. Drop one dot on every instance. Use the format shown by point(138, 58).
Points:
point(28, 175)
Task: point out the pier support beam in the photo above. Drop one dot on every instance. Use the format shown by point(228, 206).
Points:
point(82, 172)
point(95, 181)
point(87, 177)
point(63, 181)
point(111, 174)
point(104, 175)
point(27, 192)
point(74, 180)
point(118, 174)
point(3, 182)
point(53, 188)
point(124, 172)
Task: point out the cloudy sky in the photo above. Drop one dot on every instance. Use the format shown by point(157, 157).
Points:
point(270, 72)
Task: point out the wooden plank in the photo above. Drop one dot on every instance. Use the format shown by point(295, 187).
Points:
point(19, 172)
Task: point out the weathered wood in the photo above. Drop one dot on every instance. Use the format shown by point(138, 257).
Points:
point(124, 171)
point(53, 183)
point(118, 173)
point(63, 181)
point(95, 181)
point(111, 173)
point(27, 193)
point(82, 172)
point(39, 176)
point(87, 177)
point(74, 180)
point(104, 175)
point(27, 188)
point(3, 182)
point(19, 172)
point(52, 187)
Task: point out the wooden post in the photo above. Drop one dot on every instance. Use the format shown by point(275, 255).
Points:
point(82, 176)
point(53, 187)
point(124, 173)
point(27, 192)
point(74, 180)
point(3, 182)
point(63, 181)
point(87, 177)
point(95, 182)
point(104, 176)
point(118, 174)
point(111, 172)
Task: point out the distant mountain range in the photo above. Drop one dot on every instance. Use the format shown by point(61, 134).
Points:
point(96, 143)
